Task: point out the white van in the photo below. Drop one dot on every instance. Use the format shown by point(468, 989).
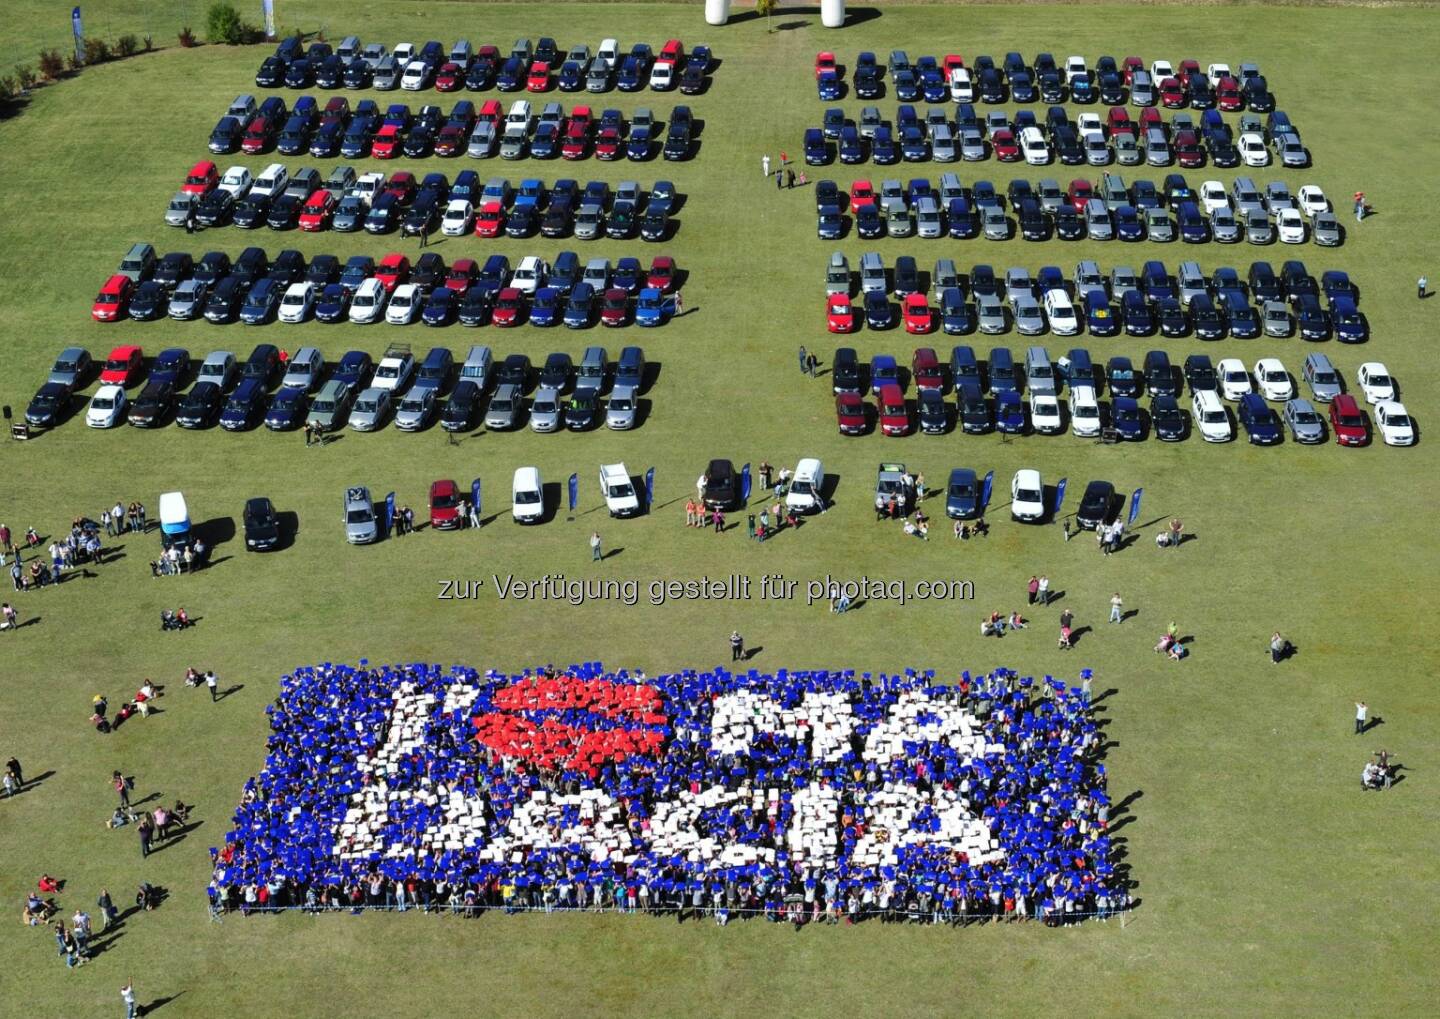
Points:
point(1084, 412)
point(609, 52)
point(174, 519)
point(272, 181)
point(519, 115)
point(1027, 496)
point(807, 487)
point(527, 496)
point(1210, 416)
point(478, 363)
point(620, 496)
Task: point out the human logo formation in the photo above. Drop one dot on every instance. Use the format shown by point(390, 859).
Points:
point(582, 788)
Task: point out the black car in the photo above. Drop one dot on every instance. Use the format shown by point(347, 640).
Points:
point(251, 212)
point(1068, 224)
point(1033, 224)
point(974, 411)
point(213, 267)
point(252, 264)
point(521, 221)
point(285, 212)
point(677, 142)
point(428, 272)
point(475, 305)
point(1207, 320)
point(149, 302)
point(845, 371)
point(200, 406)
point(721, 488)
point(1200, 374)
point(1168, 420)
point(582, 410)
point(462, 407)
point(262, 524)
point(869, 224)
point(262, 364)
point(654, 225)
point(1173, 320)
point(215, 208)
point(271, 73)
point(226, 136)
point(1095, 505)
point(558, 372)
point(933, 412)
point(288, 267)
point(50, 405)
point(1122, 378)
point(514, 371)
point(1159, 376)
point(152, 405)
point(224, 301)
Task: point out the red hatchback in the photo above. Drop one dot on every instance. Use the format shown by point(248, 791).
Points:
point(577, 140)
point(1120, 123)
point(113, 299)
point(1003, 142)
point(538, 80)
point(925, 367)
point(463, 273)
point(445, 505)
point(509, 303)
point(258, 136)
point(1347, 421)
point(449, 78)
point(202, 178)
point(851, 414)
point(614, 306)
point(1188, 152)
point(894, 412)
point(1081, 191)
point(839, 314)
point(607, 145)
point(316, 214)
point(824, 61)
point(491, 221)
point(1172, 93)
point(862, 193)
point(661, 274)
point(122, 367)
point(393, 270)
point(916, 312)
point(387, 142)
point(1227, 95)
point(402, 186)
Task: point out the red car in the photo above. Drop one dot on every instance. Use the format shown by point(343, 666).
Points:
point(113, 299)
point(491, 221)
point(393, 270)
point(202, 178)
point(916, 312)
point(607, 145)
point(862, 193)
point(824, 61)
point(1081, 191)
point(318, 210)
point(387, 142)
point(1150, 117)
point(1345, 418)
point(661, 274)
point(839, 313)
point(258, 136)
point(402, 186)
point(123, 365)
point(1003, 142)
point(445, 505)
point(1130, 65)
point(490, 111)
point(509, 303)
point(851, 414)
point(1120, 122)
point(463, 273)
point(1188, 152)
point(952, 61)
point(1186, 69)
point(614, 306)
point(449, 78)
point(894, 411)
point(925, 366)
point(1227, 95)
point(577, 140)
point(538, 80)
point(1172, 93)
point(581, 115)
point(673, 51)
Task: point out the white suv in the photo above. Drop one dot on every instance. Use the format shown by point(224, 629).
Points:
point(369, 302)
point(620, 497)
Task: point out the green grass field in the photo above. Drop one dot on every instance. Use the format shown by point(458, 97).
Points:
point(1269, 884)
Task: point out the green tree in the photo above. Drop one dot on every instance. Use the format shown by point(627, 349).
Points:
point(223, 24)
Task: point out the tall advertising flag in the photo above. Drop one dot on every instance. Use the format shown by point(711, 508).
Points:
point(1060, 495)
point(745, 483)
point(79, 31)
point(985, 489)
point(475, 496)
point(650, 487)
point(267, 11)
point(1134, 506)
point(389, 511)
point(574, 490)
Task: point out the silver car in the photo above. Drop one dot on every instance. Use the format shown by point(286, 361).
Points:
point(1305, 425)
point(188, 301)
point(328, 409)
point(71, 368)
point(927, 218)
point(1276, 316)
point(1097, 221)
point(482, 141)
point(870, 119)
point(512, 146)
point(588, 222)
point(505, 407)
point(898, 222)
point(837, 274)
point(620, 412)
point(1029, 319)
point(989, 314)
point(415, 408)
point(1159, 227)
point(370, 409)
point(1127, 153)
point(1223, 227)
point(361, 526)
point(177, 213)
point(972, 144)
point(545, 410)
point(996, 223)
point(1325, 230)
point(349, 214)
point(1259, 229)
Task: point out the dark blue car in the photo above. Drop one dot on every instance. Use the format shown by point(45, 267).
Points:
point(440, 307)
point(1136, 311)
point(877, 310)
point(1125, 418)
point(1261, 424)
point(244, 405)
point(287, 409)
point(581, 305)
point(962, 495)
point(1009, 412)
point(545, 307)
point(171, 365)
point(354, 369)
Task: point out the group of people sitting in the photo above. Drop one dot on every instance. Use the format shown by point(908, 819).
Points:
point(141, 704)
point(918, 525)
point(995, 624)
point(1169, 645)
point(966, 530)
point(177, 620)
point(178, 558)
point(1379, 772)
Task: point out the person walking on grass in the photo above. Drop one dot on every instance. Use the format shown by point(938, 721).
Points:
point(1116, 604)
point(212, 682)
point(127, 995)
point(1044, 591)
point(804, 361)
point(595, 555)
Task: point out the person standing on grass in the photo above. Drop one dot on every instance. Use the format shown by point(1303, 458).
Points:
point(1115, 606)
point(212, 682)
point(1361, 711)
point(765, 164)
point(127, 995)
point(1032, 589)
point(718, 520)
point(122, 787)
point(737, 646)
point(595, 555)
point(11, 618)
point(679, 305)
point(1043, 590)
point(1066, 617)
point(1424, 285)
point(804, 361)
point(145, 831)
point(779, 179)
point(108, 913)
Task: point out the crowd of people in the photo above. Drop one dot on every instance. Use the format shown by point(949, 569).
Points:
point(74, 551)
point(980, 798)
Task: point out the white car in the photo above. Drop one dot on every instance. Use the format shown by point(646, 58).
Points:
point(806, 492)
point(1160, 70)
point(1045, 413)
point(367, 186)
point(1313, 201)
point(1217, 71)
point(1032, 144)
point(1074, 66)
point(1214, 196)
point(1027, 496)
point(299, 299)
point(416, 76)
point(1084, 412)
point(405, 304)
point(662, 76)
point(1253, 150)
point(527, 496)
point(271, 182)
point(1375, 382)
point(1060, 310)
point(620, 496)
point(107, 407)
point(1394, 423)
point(1272, 379)
point(529, 274)
point(962, 87)
point(1087, 123)
point(1210, 417)
point(1234, 379)
point(393, 372)
point(1291, 226)
point(459, 215)
point(237, 181)
point(368, 304)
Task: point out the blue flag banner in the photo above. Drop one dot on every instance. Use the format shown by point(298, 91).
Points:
point(475, 496)
point(1060, 495)
point(1134, 506)
point(745, 483)
point(78, 29)
point(650, 487)
point(985, 489)
point(574, 491)
point(389, 511)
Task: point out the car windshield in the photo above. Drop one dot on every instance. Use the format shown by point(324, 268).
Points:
point(1027, 495)
point(102, 403)
point(1352, 420)
point(359, 516)
point(528, 498)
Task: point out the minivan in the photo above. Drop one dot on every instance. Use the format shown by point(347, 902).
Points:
point(872, 274)
point(138, 263)
point(1157, 148)
point(271, 182)
point(1000, 367)
point(1322, 378)
point(477, 367)
point(1159, 377)
point(387, 74)
point(302, 370)
point(806, 492)
point(1039, 372)
point(591, 373)
point(505, 407)
point(527, 496)
point(630, 369)
point(1084, 411)
point(927, 216)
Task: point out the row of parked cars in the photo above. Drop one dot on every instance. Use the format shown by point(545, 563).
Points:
point(1209, 306)
point(1045, 80)
point(1118, 138)
point(355, 391)
point(522, 131)
point(536, 67)
point(346, 203)
point(253, 289)
point(1024, 397)
point(1102, 210)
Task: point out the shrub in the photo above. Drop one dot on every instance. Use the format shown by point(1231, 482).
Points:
point(127, 45)
point(97, 51)
point(187, 37)
point(72, 64)
point(52, 64)
point(25, 75)
point(7, 86)
point(223, 25)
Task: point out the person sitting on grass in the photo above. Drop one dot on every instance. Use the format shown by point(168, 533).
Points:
point(1065, 643)
point(1017, 622)
point(37, 910)
point(48, 884)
